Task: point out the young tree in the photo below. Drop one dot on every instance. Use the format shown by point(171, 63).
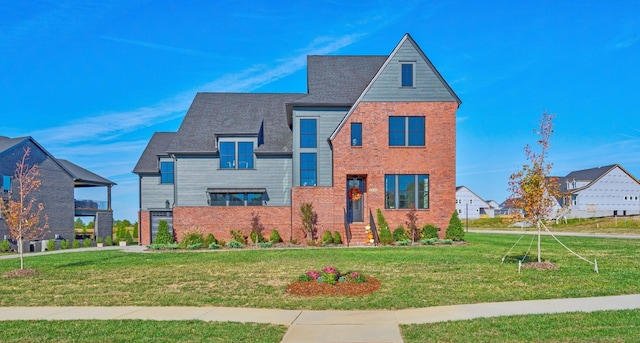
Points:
point(532, 190)
point(18, 211)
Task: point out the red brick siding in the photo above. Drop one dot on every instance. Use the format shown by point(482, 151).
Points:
point(375, 158)
point(220, 220)
point(144, 225)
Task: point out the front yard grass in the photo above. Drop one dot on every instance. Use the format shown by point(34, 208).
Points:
point(90, 331)
point(602, 326)
point(411, 277)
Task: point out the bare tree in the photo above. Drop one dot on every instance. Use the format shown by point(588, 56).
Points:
point(532, 189)
point(20, 213)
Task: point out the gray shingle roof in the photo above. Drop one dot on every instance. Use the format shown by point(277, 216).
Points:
point(215, 114)
point(339, 80)
point(83, 177)
point(585, 175)
point(157, 146)
point(7, 143)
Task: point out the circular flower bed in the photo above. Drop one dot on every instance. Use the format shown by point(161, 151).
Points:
point(330, 281)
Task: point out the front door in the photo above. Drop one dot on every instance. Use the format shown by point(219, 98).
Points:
point(355, 199)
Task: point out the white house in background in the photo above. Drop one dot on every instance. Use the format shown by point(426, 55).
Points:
point(600, 192)
point(470, 206)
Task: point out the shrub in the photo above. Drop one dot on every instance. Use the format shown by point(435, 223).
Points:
point(191, 238)
point(400, 234)
point(257, 237)
point(134, 233)
point(238, 236)
point(429, 241)
point(403, 242)
point(155, 246)
point(337, 238)
point(221, 242)
point(274, 237)
point(86, 243)
point(429, 231)
point(327, 238)
point(208, 239)
point(172, 246)
point(214, 245)
point(99, 240)
point(108, 241)
point(128, 237)
point(382, 222)
point(385, 236)
point(195, 246)
point(454, 230)
point(64, 244)
point(163, 236)
point(445, 241)
point(235, 244)
point(75, 244)
point(5, 246)
point(265, 244)
point(51, 245)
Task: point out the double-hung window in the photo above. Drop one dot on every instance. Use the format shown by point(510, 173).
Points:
point(166, 172)
point(406, 131)
point(404, 191)
point(236, 155)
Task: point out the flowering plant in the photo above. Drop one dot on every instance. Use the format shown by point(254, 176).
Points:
point(331, 276)
point(355, 194)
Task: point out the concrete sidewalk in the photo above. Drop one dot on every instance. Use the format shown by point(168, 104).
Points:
point(329, 326)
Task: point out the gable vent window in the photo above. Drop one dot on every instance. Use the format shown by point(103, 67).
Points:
point(407, 75)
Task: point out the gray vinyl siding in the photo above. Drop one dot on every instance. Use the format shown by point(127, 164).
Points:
point(195, 174)
point(427, 85)
point(154, 195)
point(327, 121)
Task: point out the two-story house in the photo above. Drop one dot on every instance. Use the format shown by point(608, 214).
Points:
point(371, 132)
point(58, 181)
point(599, 192)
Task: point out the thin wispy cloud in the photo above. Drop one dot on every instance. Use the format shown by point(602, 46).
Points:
point(161, 47)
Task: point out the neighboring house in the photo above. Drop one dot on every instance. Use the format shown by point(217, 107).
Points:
point(59, 179)
point(371, 132)
point(599, 192)
point(470, 206)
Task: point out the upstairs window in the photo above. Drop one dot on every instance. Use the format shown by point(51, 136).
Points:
point(406, 131)
point(166, 172)
point(406, 71)
point(356, 134)
point(308, 133)
point(236, 155)
point(6, 183)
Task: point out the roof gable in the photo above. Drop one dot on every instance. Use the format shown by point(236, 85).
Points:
point(157, 146)
point(434, 87)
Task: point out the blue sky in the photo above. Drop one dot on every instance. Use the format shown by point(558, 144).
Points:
point(91, 81)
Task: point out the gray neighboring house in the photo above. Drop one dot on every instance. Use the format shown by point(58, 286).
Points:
point(59, 179)
point(599, 192)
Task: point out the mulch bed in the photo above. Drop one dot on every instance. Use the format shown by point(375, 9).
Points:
point(21, 272)
point(546, 265)
point(314, 288)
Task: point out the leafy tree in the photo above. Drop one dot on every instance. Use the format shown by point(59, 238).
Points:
point(454, 230)
point(164, 236)
point(78, 224)
point(531, 188)
point(412, 224)
point(19, 213)
point(256, 229)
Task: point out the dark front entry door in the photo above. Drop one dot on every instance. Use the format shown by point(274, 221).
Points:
point(355, 199)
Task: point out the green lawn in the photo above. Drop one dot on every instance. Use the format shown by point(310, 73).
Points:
point(603, 326)
point(138, 331)
point(411, 276)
